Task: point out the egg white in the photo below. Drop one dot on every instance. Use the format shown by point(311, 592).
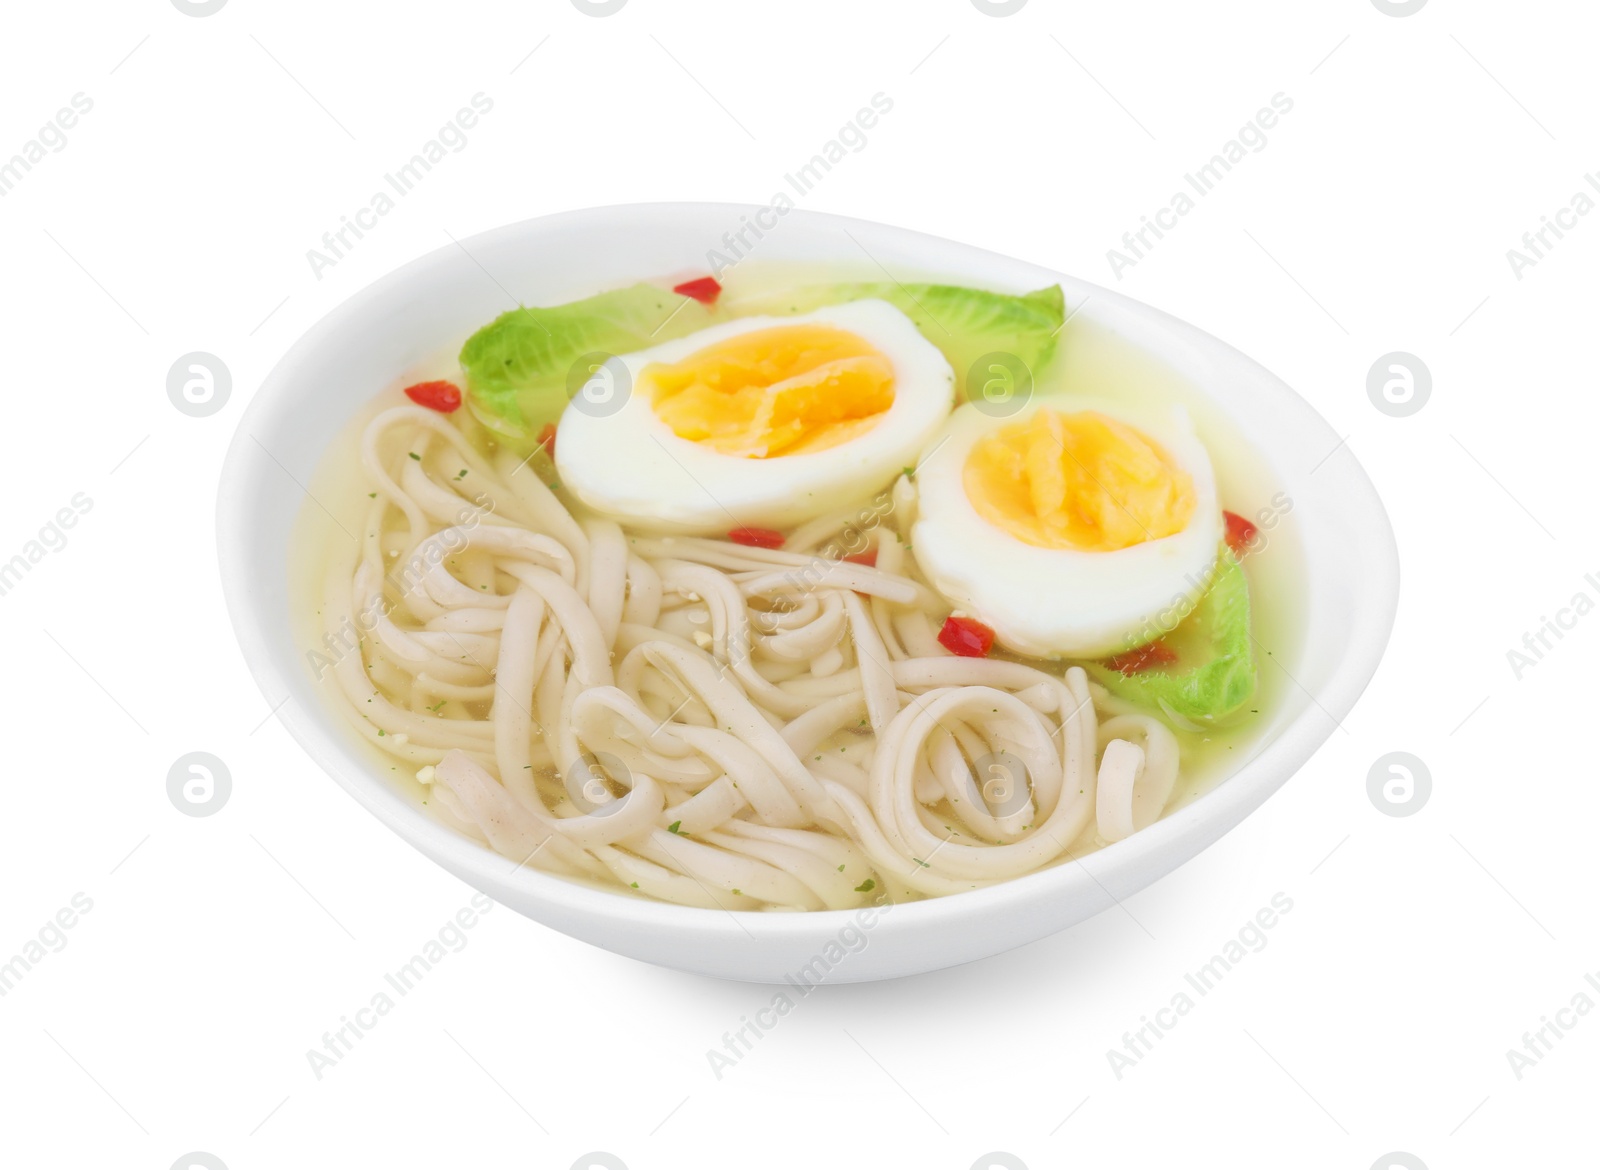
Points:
point(630, 465)
point(1063, 603)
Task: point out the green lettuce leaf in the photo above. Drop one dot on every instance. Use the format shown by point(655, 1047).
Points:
point(517, 367)
point(1215, 673)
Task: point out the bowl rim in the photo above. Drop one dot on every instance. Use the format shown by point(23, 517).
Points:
point(1229, 800)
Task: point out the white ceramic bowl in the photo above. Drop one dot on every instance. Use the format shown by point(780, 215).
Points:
point(371, 339)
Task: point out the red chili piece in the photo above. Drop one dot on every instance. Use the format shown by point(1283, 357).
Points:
point(1144, 657)
point(968, 638)
point(1241, 533)
point(868, 558)
point(705, 290)
point(757, 537)
point(441, 396)
point(547, 439)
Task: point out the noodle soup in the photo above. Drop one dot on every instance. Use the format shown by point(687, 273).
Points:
point(797, 595)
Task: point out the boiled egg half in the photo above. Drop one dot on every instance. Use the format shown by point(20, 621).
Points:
point(765, 421)
point(1074, 528)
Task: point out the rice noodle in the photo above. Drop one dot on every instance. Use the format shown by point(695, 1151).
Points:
point(704, 722)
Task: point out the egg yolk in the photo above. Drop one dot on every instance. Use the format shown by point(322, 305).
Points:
point(1080, 481)
point(781, 391)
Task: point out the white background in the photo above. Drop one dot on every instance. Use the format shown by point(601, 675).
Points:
point(1377, 218)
